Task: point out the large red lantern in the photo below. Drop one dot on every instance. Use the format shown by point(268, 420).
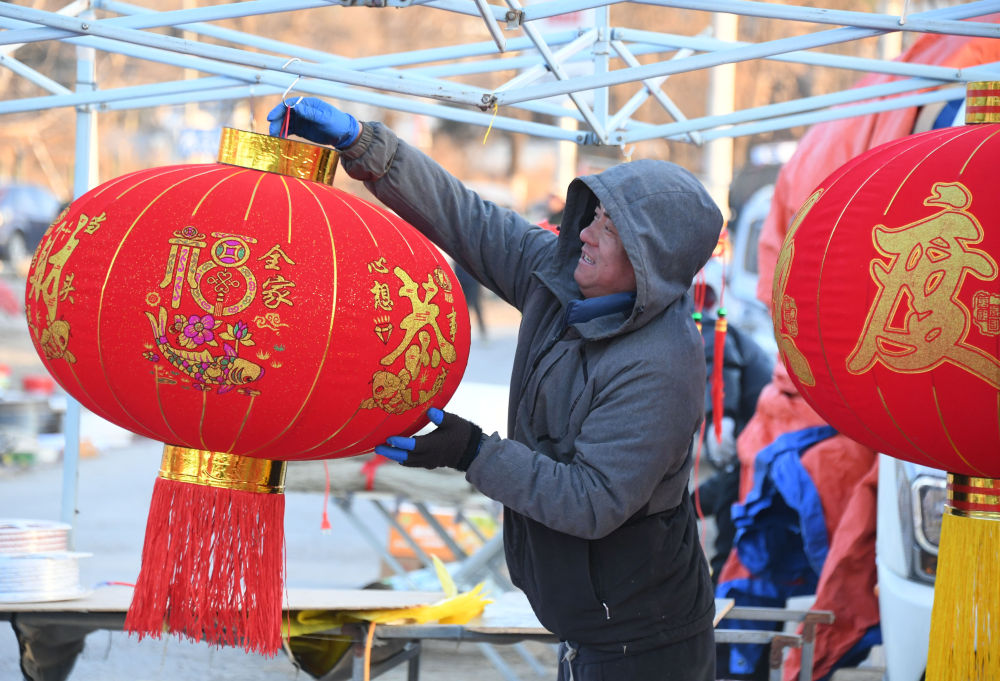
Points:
point(887, 316)
point(243, 318)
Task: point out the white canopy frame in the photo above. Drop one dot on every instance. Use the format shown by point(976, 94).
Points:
point(429, 81)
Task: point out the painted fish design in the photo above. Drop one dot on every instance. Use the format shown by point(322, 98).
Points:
point(225, 371)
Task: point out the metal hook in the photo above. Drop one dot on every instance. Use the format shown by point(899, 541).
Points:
point(284, 97)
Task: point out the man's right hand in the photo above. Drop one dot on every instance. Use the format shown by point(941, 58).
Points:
point(315, 120)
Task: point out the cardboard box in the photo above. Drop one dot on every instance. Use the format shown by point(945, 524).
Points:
point(428, 539)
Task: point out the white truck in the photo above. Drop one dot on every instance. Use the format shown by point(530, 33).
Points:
point(910, 508)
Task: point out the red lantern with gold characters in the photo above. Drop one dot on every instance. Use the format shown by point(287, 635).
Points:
point(887, 316)
point(244, 313)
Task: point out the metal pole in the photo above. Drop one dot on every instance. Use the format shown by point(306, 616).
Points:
point(721, 100)
point(84, 177)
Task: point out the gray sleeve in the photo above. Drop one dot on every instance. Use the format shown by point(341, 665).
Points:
point(496, 245)
point(632, 448)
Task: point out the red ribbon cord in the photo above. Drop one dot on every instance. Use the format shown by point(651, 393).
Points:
point(369, 468)
point(286, 121)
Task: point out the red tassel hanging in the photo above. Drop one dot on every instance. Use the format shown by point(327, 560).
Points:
point(718, 358)
point(699, 298)
point(718, 391)
point(212, 562)
point(324, 524)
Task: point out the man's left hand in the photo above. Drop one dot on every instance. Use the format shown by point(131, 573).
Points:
point(454, 444)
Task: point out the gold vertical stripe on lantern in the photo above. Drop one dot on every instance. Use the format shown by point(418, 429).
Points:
point(965, 638)
point(332, 317)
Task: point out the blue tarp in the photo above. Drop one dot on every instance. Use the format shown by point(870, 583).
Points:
point(780, 535)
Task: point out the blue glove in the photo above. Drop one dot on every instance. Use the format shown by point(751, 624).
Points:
point(455, 443)
point(315, 120)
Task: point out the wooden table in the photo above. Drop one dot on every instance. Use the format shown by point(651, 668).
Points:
point(54, 631)
point(507, 620)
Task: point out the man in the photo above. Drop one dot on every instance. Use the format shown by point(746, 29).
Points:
point(606, 394)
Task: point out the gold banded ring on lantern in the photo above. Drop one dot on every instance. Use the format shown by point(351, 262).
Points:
point(982, 102)
point(219, 469)
point(278, 155)
point(973, 497)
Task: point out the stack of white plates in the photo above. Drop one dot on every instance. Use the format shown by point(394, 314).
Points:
point(35, 563)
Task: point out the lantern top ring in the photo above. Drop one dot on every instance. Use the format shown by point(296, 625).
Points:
point(278, 155)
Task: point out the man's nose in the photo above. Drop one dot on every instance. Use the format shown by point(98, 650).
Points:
point(587, 234)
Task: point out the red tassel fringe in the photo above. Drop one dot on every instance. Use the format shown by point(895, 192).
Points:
point(718, 383)
point(212, 567)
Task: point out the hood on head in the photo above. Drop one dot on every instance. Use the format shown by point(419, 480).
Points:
point(667, 222)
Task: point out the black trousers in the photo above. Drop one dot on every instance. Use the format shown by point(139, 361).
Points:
point(692, 659)
point(48, 651)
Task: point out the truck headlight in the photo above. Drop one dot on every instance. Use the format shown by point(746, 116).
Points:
point(929, 494)
point(922, 497)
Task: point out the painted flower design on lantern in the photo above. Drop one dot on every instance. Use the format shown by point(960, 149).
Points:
point(206, 371)
point(238, 332)
point(191, 330)
point(198, 331)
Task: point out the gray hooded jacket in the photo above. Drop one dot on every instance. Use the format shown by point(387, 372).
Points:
point(594, 472)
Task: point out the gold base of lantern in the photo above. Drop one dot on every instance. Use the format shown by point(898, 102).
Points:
point(226, 471)
point(213, 557)
point(278, 155)
point(965, 638)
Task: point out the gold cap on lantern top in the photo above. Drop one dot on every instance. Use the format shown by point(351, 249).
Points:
point(219, 469)
point(972, 497)
point(982, 102)
point(278, 155)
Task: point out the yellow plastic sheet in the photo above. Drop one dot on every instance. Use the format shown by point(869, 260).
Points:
point(320, 653)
